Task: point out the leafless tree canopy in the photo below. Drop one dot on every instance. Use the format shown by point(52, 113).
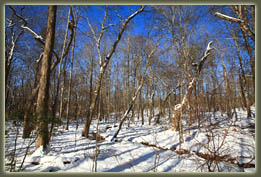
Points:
point(160, 65)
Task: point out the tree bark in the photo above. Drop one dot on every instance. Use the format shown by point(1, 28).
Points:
point(227, 88)
point(152, 92)
point(132, 102)
point(179, 107)
point(28, 127)
point(103, 67)
point(243, 76)
point(242, 23)
point(43, 94)
point(30, 106)
point(69, 89)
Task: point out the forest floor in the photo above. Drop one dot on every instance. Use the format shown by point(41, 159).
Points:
point(221, 144)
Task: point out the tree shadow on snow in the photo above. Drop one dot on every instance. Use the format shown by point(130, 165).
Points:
point(188, 139)
point(132, 162)
point(173, 166)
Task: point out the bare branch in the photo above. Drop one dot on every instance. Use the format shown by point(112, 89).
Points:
point(228, 18)
point(179, 107)
point(97, 41)
point(18, 16)
point(36, 36)
point(244, 26)
point(122, 29)
point(70, 26)
point(103, 66)
point(109, 25)
point(135, 95)
point(92, 30)
point(40, 39)
point(101, 34)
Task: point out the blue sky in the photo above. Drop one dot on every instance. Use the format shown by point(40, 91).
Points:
point(206, 25)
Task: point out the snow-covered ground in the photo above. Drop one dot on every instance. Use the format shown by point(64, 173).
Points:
point(147, 148)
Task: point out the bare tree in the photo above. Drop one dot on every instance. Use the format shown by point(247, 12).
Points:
point(103, 66)
point(241, 20)
point(70, 82)
point(10, 47)
point(27, 125)
point(179, 107)
point(137, 92)
point(43, 94)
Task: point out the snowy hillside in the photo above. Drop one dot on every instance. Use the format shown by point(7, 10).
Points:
point(224, 145)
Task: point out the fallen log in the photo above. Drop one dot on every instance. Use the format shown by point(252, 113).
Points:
point(218, 158)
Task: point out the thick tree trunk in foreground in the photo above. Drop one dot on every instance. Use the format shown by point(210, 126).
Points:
point(28, 125)
point(43, 94)
point(179, 107)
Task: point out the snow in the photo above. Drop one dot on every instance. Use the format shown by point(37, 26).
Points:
point(178, 106)
point(226, 17)
point(70, 152)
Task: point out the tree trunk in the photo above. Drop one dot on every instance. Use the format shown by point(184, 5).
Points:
point(70, 86)
point(61, 108)
point(179, 107)
point(87, 124)
point(228, 90)
point(54, 107)
point(43, 94)
point(131, 104)
point(244, 82)
point(152, 92)
point(108, 94)
point(252, 60)
point(130, 107)
point(116, 110)
point(103, 67)
point(28, 117)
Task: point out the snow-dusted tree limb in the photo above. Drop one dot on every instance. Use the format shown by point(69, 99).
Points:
point(135, 95)
point(24, 26)
point(242, 23)
point(179, 107)
point(40, 39)
point(13, 42)
point(103, 66)
point(122, 29)
point(36, 36)
point(228, 18)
